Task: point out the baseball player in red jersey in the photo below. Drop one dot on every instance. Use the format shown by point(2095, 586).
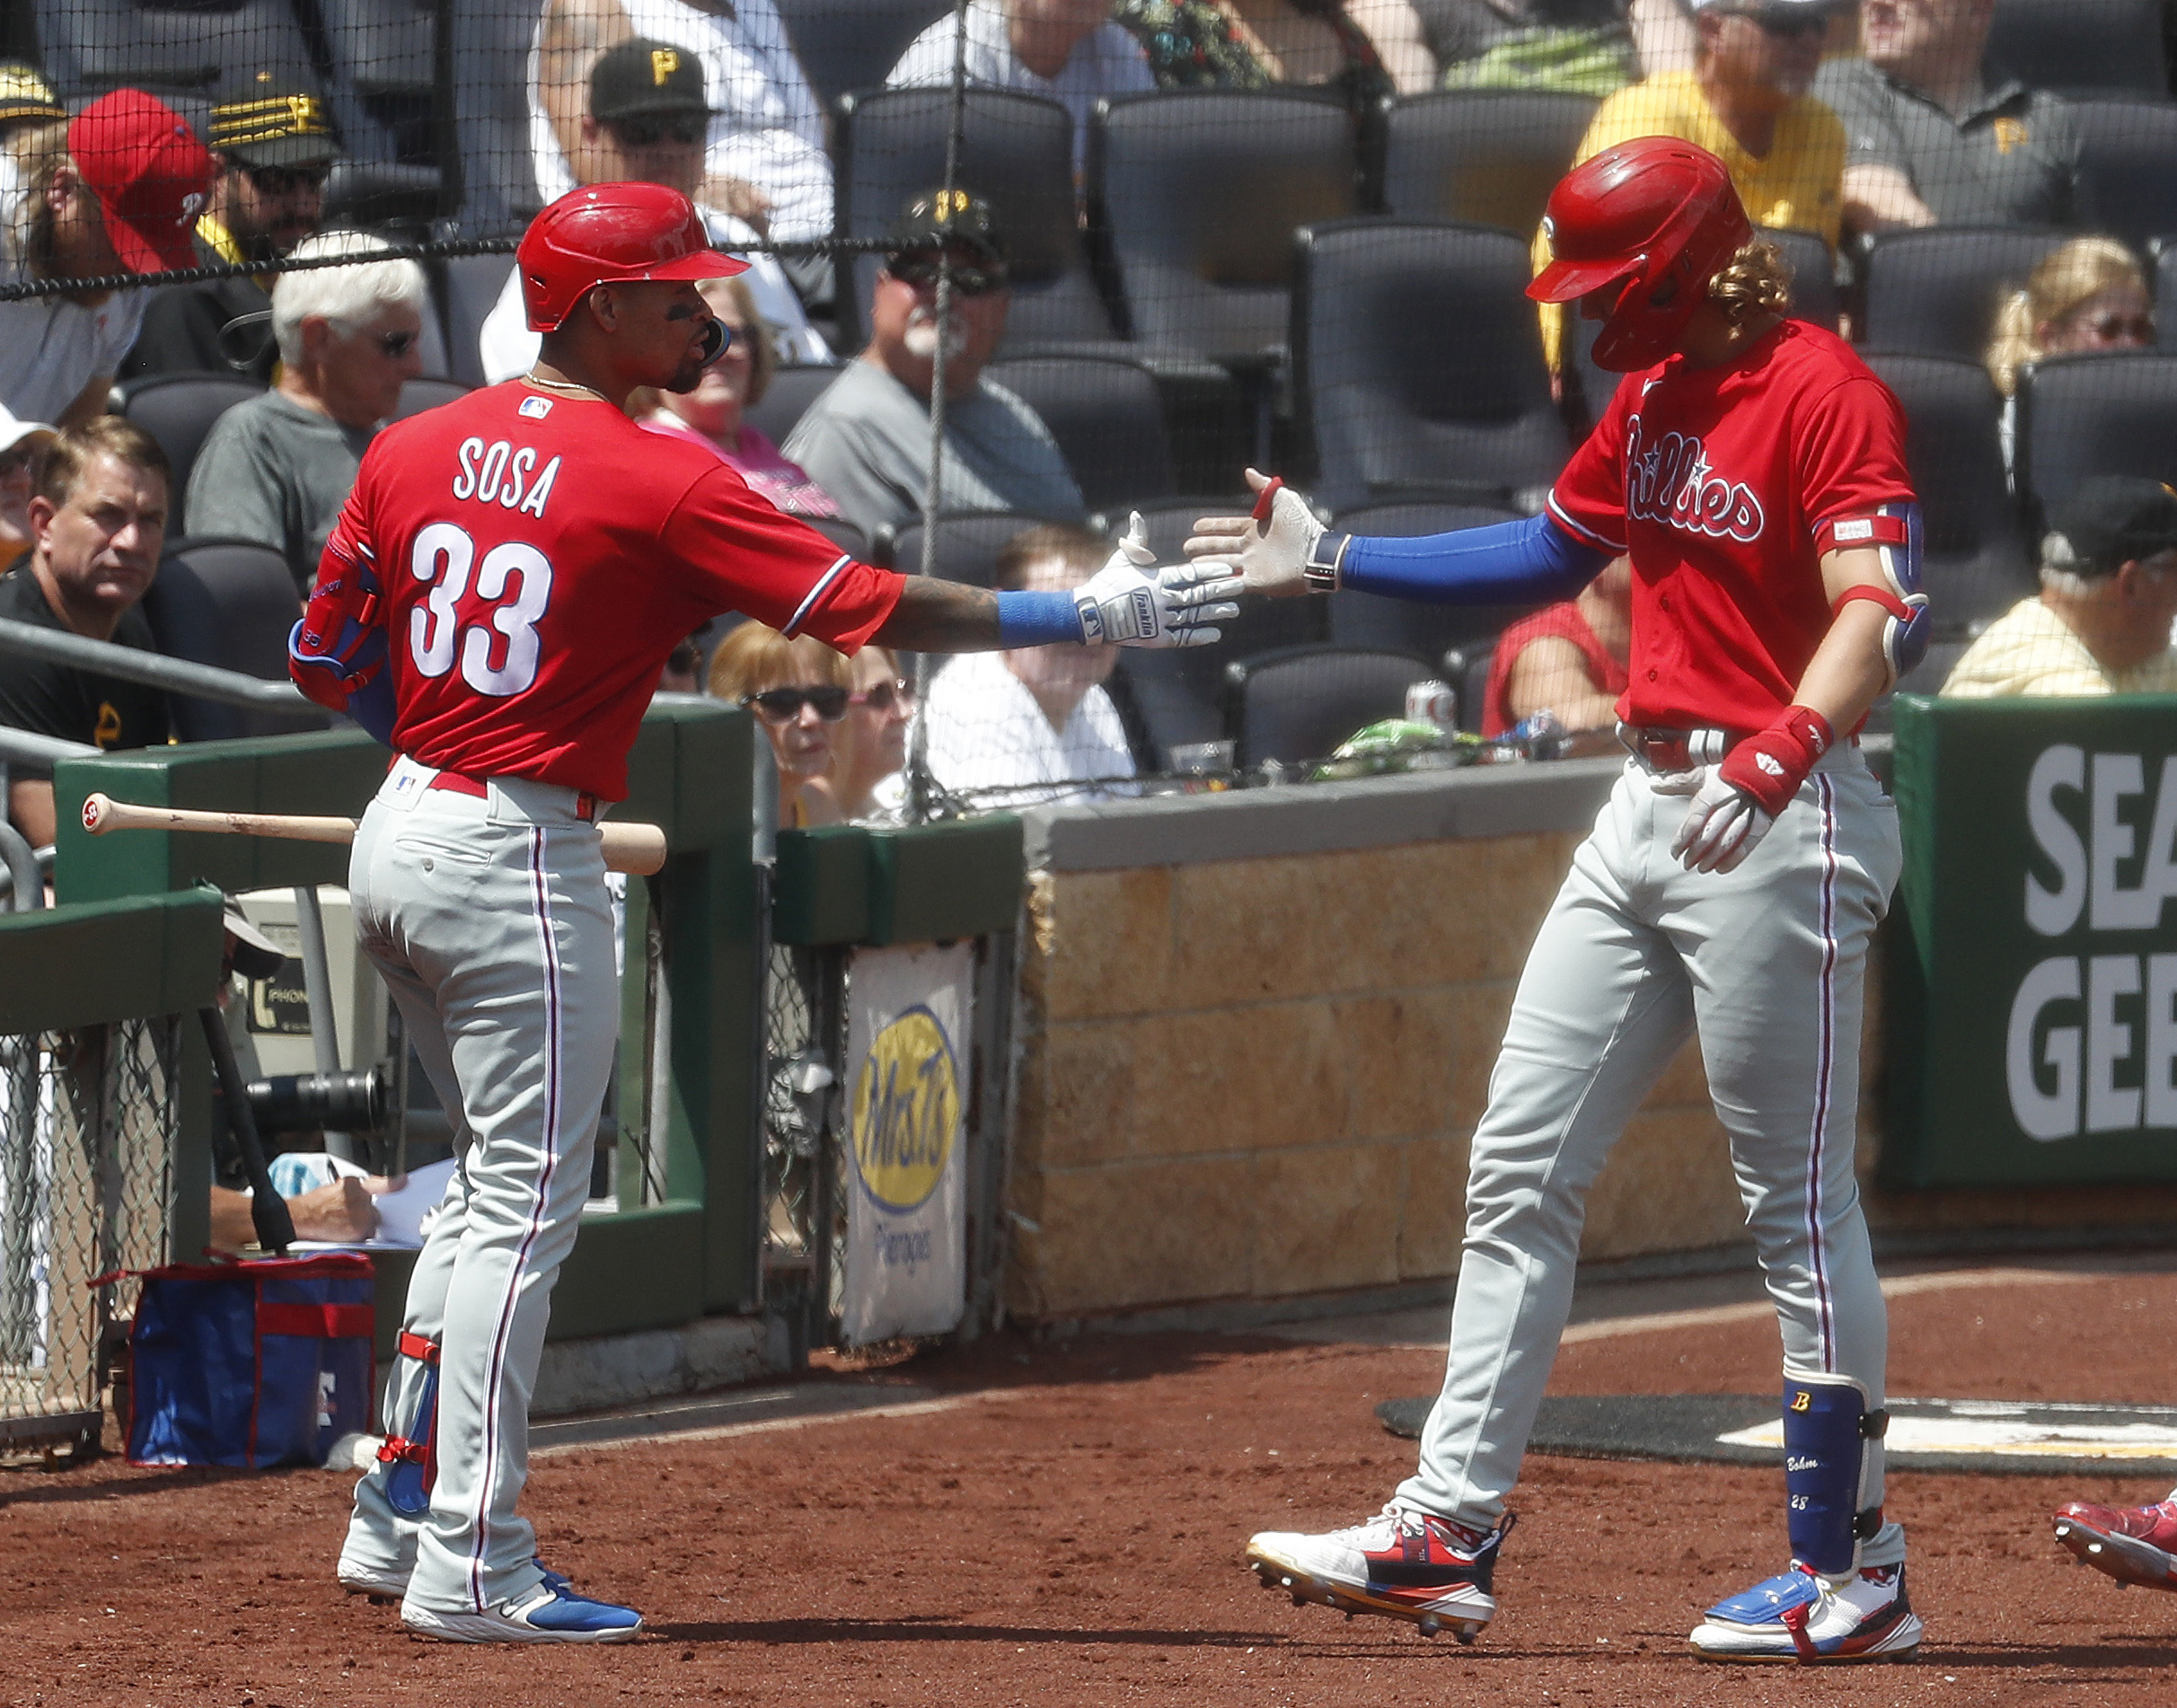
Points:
point(1754, 470)
point(501, 590)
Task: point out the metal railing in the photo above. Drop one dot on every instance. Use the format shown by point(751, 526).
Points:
point(156, 669)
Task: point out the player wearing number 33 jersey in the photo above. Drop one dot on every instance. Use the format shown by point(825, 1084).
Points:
point(1753, 471)
point(497, 602)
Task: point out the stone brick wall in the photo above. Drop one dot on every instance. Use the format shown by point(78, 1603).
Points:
point(1256, 1075)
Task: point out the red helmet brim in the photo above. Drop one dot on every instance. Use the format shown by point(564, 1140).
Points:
point(705, 263)
point(1567, 281)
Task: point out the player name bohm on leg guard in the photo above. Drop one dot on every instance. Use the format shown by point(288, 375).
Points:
point(2091, 1046)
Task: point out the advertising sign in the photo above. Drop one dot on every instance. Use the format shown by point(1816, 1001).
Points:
point(905, 1268)
point(2033, 1022)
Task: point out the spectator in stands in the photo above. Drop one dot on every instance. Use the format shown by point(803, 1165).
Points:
point(867, 781)
point(1937, 134)
point(275, 147)
point(276, 469)
point(866, 440)
point(2086, 297)
point(115, 189)
point(1069, 51)
point(643, 122)
point(27, 101)
point(797, 689)
point(2100, 624)
point(710, 415)
point(1568, 659)
point(98, 519)
point(22, 445)
point(766, 164)
point(1746, 101)
point(1028, 728)
point(1255, 44)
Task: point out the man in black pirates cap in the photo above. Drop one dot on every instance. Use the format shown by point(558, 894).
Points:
point(274, 141)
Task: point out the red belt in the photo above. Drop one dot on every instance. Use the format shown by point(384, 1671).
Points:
point(454, 783)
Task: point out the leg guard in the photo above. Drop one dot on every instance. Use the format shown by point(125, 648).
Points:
point(413, 1458)
point(1826, 1429)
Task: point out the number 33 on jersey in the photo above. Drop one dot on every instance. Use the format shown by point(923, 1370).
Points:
point(536, 559)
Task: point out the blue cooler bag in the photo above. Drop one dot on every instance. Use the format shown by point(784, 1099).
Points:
point(251, 1364)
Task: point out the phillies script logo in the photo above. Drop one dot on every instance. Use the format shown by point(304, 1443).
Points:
point(1670, 482)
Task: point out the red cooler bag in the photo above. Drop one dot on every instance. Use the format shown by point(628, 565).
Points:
point(251, 1364)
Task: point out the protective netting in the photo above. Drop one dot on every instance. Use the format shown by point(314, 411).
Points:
point(86, 1140)
point(1216, 232)
point(805, 1208)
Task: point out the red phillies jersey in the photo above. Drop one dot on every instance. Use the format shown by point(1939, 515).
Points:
point(540, 557)
point(1714, 479)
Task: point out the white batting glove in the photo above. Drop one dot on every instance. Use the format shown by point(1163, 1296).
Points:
point(1129, 603)
point(1723, 823)
point(1270, 549)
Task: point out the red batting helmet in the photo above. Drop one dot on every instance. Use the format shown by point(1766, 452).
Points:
point(604, 232)
point(1647, 214)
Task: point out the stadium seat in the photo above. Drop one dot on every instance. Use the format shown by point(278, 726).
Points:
point(1301, 703)
point(968, 544)
point(92, 46)
point(2128, 167)
point(490, 68)
point(1935, 291)
point(1105, 414)
point(1016, 152)
point(845, 45)
point(1486, 156)
point(2081, 46)
point(178, 411)
point(1418, 361)
point(2086, 415)
point(1977, 563)
point(382, 89)
point(1409, 625)
point(420, 394)
point(792, 390)
point(1200, 191)
point(1467, 668)
point(468, 287)
point(228, 602)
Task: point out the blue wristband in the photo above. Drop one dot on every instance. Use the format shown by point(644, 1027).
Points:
point(1038, 620)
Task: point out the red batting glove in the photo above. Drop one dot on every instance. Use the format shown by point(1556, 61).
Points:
point(1769, 767)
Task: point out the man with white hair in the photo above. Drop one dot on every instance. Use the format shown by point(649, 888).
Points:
point(278, 468)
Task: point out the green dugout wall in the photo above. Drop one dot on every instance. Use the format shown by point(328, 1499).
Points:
point(2033, 972)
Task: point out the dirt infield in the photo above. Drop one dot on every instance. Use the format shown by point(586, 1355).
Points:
point(1063, 1523)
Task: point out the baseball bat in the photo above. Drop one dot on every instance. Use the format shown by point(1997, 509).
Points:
point(637, 849)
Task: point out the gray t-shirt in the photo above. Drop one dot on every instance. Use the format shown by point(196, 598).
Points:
point(866, 441)
point(2013, 159)
point(275, 471)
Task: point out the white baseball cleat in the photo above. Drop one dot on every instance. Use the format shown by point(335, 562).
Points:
point(1802, 1616)
point(1401, 1563)
point(549, 1613)
point(375, 1581)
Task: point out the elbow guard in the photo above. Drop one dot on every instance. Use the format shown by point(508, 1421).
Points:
point(1894, 533)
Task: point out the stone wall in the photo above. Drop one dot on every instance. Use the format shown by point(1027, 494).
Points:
point(1255, 1034)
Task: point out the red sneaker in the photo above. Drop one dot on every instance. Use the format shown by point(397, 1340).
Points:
point(2132, 1544)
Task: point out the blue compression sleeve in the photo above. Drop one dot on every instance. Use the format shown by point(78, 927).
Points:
point(1037, 620)
point(372, 706)
point(1526, 562)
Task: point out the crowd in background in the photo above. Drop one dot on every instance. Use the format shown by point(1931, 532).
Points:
point(1840, 121)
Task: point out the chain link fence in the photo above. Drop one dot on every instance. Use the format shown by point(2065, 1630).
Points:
point(87, 1127)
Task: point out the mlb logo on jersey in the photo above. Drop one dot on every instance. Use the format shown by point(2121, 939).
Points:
point(535, 408)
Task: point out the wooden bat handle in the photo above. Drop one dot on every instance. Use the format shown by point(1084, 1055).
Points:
point(637, 849)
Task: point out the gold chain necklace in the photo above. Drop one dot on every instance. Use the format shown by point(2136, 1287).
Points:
point(567, 387)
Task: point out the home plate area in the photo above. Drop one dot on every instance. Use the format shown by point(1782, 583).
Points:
point(1996, 1437)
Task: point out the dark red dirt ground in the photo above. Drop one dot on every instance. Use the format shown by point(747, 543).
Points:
point(1072, 1533)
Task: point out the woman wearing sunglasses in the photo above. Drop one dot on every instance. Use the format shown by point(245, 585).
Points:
point(867, 783)
point(799, 690)
point(710, 415)
point(2085, 298)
